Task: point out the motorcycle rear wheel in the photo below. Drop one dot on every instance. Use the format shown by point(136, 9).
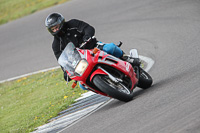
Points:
point(116, 90)
point(145, 80)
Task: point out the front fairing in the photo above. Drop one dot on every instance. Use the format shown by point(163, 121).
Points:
point(69, 59)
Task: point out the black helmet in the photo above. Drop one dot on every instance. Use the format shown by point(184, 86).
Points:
point(53, 20)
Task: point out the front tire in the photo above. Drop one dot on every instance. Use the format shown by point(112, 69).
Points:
point(115, 90)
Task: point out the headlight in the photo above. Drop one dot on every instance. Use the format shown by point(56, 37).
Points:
point(81, 67)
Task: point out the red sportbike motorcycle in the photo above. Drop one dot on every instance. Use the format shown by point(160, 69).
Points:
point(103, 73)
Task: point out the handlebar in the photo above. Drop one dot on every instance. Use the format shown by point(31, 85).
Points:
point(83, 44)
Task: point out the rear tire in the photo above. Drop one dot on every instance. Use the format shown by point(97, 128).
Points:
point(118, 91)
point(145, 80)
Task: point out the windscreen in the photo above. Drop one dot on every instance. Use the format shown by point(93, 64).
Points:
point(69, 58)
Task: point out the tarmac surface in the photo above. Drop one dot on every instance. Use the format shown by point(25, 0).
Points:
point(165, 30)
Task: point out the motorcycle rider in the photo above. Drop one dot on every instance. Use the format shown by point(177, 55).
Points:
point(77, 32)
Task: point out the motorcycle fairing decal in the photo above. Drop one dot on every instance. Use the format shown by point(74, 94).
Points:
point(102, 53)
point(114, 58)
point(105, 55)
point(105, 61)
point(105, 58)
point(83, 53)
point(102, 56)
point(127, 67)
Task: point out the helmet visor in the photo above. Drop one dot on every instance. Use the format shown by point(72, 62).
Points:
point(55, 28)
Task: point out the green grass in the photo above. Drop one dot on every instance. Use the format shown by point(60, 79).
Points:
point(31, 101)
point(13, 9)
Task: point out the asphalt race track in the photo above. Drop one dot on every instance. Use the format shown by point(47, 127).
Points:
point(165, 30)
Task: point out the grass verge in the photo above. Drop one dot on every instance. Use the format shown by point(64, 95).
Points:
point(31, 101)
point(13, 9)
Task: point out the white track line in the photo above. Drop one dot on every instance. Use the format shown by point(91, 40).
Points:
point(25, 75)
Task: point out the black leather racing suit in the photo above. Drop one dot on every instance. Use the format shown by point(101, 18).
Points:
point(75, 31)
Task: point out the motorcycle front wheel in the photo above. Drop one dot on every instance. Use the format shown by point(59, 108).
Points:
point(116, 90)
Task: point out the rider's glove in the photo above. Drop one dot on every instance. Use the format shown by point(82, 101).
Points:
point(86, 38)
point(89, 42)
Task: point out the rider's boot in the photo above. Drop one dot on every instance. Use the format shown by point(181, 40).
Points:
point(131, 60)
point(135, 62)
